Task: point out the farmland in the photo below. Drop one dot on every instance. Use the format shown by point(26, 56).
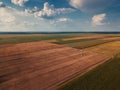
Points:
point(31, 62)
point(111, 48)
point(55, 38)
point(89, 42)
point(104, 77)
point(59, 61)
point(23, 38)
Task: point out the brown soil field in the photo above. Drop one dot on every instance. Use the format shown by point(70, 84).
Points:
point(43, 66)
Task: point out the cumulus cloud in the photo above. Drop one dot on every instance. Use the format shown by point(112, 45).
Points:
point(63, 20)
point(90, 5)
point(19, 2)
point(59, 21)
point(12, 19)
point(48, 11)
point(98, 19)
point(31, 11)
point(76, 3)
point(8, 16)
point(5, 15)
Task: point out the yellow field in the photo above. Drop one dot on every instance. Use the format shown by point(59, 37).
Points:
point(110, 48)
point(111, 38)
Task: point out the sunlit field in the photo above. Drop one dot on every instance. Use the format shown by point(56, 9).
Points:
point(104, 77)
point(62, 61)
point(59, 44)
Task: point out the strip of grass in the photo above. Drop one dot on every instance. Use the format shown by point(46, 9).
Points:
point(104, 77)
point(21, 39)
point(90, 43)
point(72, 41)
point(85, 43)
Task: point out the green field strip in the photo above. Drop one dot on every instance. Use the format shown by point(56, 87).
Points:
point(85, 43)
point(22, 39)
point(72, 41)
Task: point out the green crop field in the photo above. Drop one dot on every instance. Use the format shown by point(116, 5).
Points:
point(77, 43)
point(85, 43)
point(13, 39)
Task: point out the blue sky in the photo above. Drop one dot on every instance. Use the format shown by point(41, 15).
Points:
point(59, 15)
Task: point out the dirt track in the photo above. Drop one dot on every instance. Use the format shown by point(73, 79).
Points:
point(43, 66)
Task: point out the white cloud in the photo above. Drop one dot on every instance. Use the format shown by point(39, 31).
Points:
point(48, 11)
point(19, 2)
point(31, 11)
point(60, 21)
point(76, 3)
point(63, 20)
point(12, 19)
point(6, 16)
point(90, 5)
point(98, 19)
point(29, 24)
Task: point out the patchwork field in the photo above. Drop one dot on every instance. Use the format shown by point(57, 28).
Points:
point(68, 39)
point(88, 42)
point(23, 38)
point(104, 77)
point(43, 65)
point(59, 61)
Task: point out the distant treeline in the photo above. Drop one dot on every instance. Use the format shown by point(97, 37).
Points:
point(59, 32)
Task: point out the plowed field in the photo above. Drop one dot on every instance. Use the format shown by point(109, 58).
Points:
point(43, 66)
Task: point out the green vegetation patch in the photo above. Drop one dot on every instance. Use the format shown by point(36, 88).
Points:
point(21, 39)
point(84, 43)
point(72, 41)
point(90, 43)
point(104, 77)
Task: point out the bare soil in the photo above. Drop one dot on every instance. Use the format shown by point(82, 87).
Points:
point(43, 66)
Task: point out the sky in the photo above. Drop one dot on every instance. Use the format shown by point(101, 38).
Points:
point(59, 15)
